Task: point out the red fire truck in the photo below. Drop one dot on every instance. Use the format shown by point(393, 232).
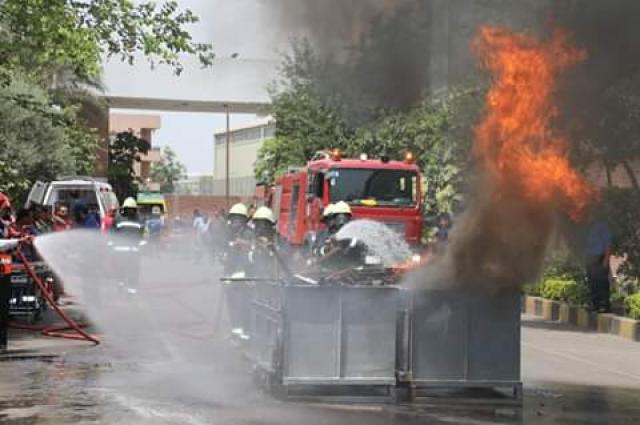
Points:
point(377, 189)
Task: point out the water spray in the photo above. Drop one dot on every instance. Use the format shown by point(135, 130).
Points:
point(56, 331)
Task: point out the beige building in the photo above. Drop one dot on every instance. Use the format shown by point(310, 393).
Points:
point(245, 142)
point(142, 126)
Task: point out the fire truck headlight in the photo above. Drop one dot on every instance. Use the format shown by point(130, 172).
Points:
point(416, 258)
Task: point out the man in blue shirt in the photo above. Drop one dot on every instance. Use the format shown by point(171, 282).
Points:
point(598, 254)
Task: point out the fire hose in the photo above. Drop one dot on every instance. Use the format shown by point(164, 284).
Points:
point(56, 331)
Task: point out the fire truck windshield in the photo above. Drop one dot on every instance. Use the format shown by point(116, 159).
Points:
point(374, 187)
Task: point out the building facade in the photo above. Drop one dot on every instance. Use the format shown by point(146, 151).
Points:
point(244, 144)
point(142, 126)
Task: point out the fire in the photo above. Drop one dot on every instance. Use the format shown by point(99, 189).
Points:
point(515, 141)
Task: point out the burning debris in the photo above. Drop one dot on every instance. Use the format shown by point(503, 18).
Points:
point(527, 178)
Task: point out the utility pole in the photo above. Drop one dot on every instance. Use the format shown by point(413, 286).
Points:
point(227, 157)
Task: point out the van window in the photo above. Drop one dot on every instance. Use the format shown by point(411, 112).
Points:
point(69, 195)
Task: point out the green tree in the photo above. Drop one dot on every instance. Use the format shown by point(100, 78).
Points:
point(305, 123)
point(48, 35)
point(125, 150)
point(51, 53)
point(168, 170)
point(38, 140)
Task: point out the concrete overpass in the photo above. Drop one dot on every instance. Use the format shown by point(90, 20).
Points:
point(231, 85)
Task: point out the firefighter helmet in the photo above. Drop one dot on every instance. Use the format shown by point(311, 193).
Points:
point(239, 209)
point(4, 201)
point(130, 203)
point(341, 208)
point(264, 213)
point(328, 211)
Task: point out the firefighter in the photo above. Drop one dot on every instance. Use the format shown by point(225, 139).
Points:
point(340, 253)
point(236, 264)
point(340, 216)
point(263, 250)
point(319, 239)
point(6, 245)
point(129, 229)
point(238, 240)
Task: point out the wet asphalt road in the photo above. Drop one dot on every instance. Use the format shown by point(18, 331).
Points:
point(168, 366)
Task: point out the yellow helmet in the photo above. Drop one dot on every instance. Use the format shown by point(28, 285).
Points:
point(328, 211)
point(341, 208)
point(130, 203)
point(239, 209)
point(264, 213)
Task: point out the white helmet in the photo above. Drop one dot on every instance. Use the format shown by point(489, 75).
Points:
point(264, 213)
point(130, 203)
point(239, 209)
point(328, 211)
point(341, 208)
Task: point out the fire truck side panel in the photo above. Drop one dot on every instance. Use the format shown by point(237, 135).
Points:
point(299, 202)
point(291, 218)
point(284, 187)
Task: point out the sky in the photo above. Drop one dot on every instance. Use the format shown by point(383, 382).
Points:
point(190, 135)
point(232, 26)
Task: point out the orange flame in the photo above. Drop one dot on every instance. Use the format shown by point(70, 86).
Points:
point(515, 141)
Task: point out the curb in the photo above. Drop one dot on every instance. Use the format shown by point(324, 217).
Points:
point(581, 317)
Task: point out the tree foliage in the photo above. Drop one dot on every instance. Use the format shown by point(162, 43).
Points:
point(168, 171)
point(125, 150)
point(38, 140)
point(47, 35)
point(306, 124)
point(51, 54)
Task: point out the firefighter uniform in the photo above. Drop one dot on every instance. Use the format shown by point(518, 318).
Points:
point(126, 246)
point(263, 249)
point(320, 238)
point(238, 240)
point(340, 253)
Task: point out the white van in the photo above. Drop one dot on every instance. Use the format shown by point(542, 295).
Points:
point(90, 191)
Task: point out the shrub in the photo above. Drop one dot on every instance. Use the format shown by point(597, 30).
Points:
point(569, 291)
point(632, 305)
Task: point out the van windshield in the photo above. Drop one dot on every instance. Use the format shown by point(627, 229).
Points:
point(374, 187)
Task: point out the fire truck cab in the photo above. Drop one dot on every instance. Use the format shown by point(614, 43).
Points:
point(376, 189)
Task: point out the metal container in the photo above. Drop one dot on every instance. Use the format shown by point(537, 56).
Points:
point(326, 335)
point(463, 338)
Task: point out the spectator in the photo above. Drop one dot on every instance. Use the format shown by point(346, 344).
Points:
point(42, 219)
point(78, 209)
point(598, 255)
point(61, 219)
point(92, 218)
point(109, 219)
point(197, 220)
